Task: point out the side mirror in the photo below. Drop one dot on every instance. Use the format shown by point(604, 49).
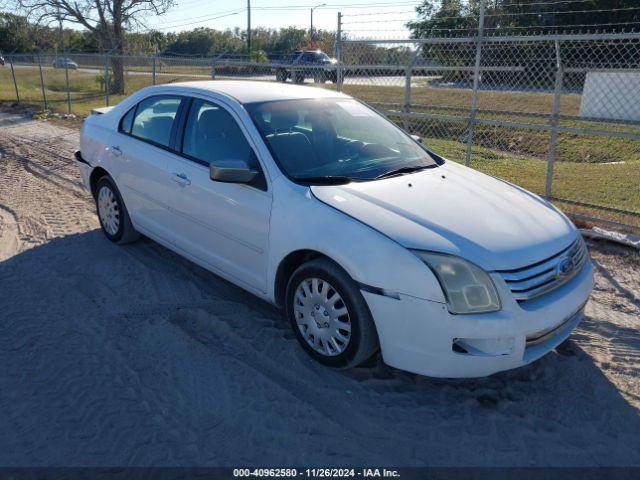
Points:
point(232, 171)
point(417, 138)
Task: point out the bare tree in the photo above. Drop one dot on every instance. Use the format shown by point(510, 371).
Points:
point(106, 19)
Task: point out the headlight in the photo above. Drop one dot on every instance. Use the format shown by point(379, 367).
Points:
point(468, 288)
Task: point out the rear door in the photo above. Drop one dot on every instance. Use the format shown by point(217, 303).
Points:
point(224, 225)
point(140, 149)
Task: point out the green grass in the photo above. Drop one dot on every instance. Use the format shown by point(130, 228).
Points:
point(529, 107)
point(86, 91)
point(594, 169)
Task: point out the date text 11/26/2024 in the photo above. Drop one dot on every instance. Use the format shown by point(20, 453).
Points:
point(316, 472)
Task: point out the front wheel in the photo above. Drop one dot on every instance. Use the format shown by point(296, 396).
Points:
point(112, 213)
point(329, 316)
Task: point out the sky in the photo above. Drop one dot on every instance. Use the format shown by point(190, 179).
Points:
point(375, 18)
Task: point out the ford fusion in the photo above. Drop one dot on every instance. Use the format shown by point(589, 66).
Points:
point(367, 240)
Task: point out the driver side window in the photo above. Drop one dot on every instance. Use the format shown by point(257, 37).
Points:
point(211, 134)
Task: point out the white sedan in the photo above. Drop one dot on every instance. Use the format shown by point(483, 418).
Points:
point(366, 239)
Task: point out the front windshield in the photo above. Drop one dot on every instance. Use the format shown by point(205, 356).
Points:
point(335, 138)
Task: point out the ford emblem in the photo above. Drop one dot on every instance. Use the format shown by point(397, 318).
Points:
point(565, 267)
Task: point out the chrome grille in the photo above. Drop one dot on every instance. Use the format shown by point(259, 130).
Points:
point(534, 280)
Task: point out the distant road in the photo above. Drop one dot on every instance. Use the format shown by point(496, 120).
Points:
point(379, 80)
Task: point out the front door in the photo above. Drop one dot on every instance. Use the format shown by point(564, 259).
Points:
point(224, 225)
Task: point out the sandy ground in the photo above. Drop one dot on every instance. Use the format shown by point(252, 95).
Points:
point(133, 356)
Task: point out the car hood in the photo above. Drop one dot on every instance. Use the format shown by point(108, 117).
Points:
point(457, 210)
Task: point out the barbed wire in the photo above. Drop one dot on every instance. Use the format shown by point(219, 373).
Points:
point(562, 27)
point(377, 13)
point(506, 28)
point(458, 17)
point(525, 27)
point(470, 31)
point(550, 2)
point(387, 39)
point(386, 20)
point(378, 30)
point(563, 12)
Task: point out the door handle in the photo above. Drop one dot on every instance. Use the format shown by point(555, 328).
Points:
point(116, 150)
point(181, 179)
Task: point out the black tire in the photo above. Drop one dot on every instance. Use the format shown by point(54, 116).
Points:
point(298, 77)
point(125, 233)
point(363, 343)
point(281, 75)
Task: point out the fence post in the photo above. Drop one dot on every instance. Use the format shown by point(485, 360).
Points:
point(553, 120)
point(476, 81)
point(153, 74)
point(339, 71)
point(407, 96)
point(213, 68)
point(66, 80)
point(106, 79)
point(15, 83)
point(44, 93)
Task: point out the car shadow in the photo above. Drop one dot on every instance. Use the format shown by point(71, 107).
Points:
point(131, 355)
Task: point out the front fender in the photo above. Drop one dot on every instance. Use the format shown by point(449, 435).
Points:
point(299, 221)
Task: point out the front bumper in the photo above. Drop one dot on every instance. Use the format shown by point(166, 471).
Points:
point(421, 336)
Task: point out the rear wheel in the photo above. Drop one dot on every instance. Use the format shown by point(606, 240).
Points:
point(281, 75)
point(112, 213)
point(329, 316)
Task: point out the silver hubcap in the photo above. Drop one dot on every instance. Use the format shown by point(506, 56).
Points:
point(108, 210)
point(322, 317)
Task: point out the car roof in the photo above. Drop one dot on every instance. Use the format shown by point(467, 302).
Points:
point(252, 91)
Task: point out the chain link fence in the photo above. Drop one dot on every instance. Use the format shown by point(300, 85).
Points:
point(75, 83)
point(556, 114)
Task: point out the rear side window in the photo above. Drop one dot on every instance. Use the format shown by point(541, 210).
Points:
point(154, 119)
point(127, 121)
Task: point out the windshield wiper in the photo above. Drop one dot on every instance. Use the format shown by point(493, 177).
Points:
point(325, 180)
point(404, 171)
